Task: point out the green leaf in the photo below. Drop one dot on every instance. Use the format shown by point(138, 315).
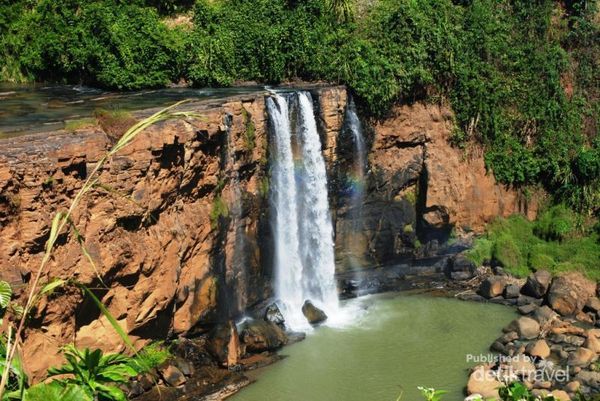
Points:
point(111, 392)
point(5, 294)
point(117, 373)
point(55, 391)
point(51, 286)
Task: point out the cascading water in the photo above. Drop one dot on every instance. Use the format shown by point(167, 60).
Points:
point(301, 221)
point(355, 240)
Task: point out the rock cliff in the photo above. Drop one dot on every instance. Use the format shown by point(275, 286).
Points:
point(178, 224)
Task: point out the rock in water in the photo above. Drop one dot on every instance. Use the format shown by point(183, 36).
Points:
point(492, 287)
point(260, 335)
point(313, 314)
point(526, 327)
point(274, 315)
point(537, 284)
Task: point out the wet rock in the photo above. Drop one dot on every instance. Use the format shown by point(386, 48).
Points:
point(544, 315)
point(492, 287)
point(537, 284)
point(581, 357)
point(460, 267)
point(538, 348)
point(508, 337)
point(526, 327)
point(511, 291)
point(527, 309)
point(313, 314)
point(273, 314)
point(482, 381)
point(218, 342)
point(135, 389)
point(526, 300)
point(186, 367)
point(461, 276)
point(172, 376)
point(497, 346)
point(569, 293)
point(260, 335)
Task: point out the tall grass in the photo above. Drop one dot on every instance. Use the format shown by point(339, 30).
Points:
point(62, 221)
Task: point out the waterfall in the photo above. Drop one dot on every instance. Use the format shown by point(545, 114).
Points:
point(301, 221)
point(355, 241)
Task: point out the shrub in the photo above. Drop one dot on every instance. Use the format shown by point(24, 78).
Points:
point(95, 372)
point(481, 251)
point(541, 262)
point(151, 356)
point(507, 252)
point(556, 224)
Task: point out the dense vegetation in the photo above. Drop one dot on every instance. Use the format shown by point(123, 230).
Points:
point(520, 75)
point(557, 241)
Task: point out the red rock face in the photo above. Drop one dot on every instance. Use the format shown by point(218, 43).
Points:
point(173, 259)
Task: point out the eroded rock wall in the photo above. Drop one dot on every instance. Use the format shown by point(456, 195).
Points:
point(178, 227)
point(419, 190)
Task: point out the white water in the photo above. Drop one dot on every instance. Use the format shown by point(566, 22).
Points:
point(301, 221)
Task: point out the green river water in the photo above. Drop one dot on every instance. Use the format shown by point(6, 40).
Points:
point(394, 344)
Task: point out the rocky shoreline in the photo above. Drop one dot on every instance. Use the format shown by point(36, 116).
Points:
point(553, 347)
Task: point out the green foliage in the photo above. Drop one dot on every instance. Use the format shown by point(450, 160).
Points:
point(522, 246)
point(56, 391)
point(521, 76)
point(17, 378)
point(250, 134)
point(151, 356)
point(481, 251)
point(431, 394)
point(219, 210)
point(74, 125)
point(507, 252)
point(95, 372)
point(113, 44)
point(556, 224)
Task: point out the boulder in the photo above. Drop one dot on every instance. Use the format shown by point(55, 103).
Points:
point(573, 386)
point(511, 291)
point(526, 300)
point(172, 376)
point(526, 327)
point(537, 284)
point(593, 344)
point(483, 381)
point(522, 365)
point(544, 315)
point(313, 314)
point(492, 287)
point(260, 335)
point(569, 293)
point(588, 378)
point(592, 305)
point(527, 309)
point(460, 267)
point(538, 348)
point(273, 314)
point(581, 357)
point(560, 395)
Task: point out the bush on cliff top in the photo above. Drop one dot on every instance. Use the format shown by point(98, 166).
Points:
point(520, 75)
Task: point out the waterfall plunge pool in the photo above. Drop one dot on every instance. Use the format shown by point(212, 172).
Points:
point(395, 343)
